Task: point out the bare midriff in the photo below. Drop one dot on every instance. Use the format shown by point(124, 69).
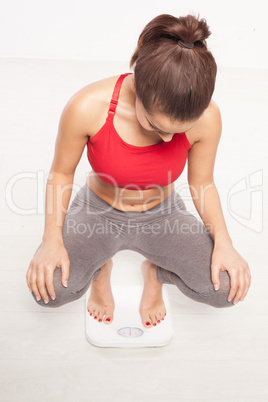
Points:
point(125, 199)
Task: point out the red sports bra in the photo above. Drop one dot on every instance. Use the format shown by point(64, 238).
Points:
point(130, 166)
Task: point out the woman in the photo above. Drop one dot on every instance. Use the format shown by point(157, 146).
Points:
point(139, 130)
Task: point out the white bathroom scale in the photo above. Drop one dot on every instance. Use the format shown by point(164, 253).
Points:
point(127, 330)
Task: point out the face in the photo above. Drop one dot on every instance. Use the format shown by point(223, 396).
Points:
point(161, 124)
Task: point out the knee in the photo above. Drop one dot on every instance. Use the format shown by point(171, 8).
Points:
point(63, 295)
point(58, 302)
point(219, 298)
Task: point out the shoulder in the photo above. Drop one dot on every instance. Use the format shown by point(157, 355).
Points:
point(209, 126)
point(202, 154)
point(90, 104)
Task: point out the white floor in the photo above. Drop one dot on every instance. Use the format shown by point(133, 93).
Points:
point(215, 354)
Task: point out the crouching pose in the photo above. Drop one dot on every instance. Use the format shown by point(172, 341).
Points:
point(139, 129)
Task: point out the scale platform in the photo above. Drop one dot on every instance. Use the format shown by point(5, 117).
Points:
point(127, 330)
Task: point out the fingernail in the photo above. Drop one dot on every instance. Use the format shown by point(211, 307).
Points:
point(38, 298)
point(65, 283)
point(216, 287)
point(236, 302)
point(53, 298)
point(46, 301)
point(229, 300)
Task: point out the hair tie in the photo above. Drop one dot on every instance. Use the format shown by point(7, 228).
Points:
point(185, 45)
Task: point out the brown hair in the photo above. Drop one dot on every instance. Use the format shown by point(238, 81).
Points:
point(177, 80)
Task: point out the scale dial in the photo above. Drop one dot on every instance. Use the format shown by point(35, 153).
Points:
point(130, 332)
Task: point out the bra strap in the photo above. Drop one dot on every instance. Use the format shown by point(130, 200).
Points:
point(115, 96)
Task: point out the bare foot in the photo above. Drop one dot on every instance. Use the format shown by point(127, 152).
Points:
point(101, 301)
point(152, 307)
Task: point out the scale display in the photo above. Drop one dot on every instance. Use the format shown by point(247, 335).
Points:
point(130, 332)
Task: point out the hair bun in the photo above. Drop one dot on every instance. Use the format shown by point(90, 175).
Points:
point(174, 71)
point(188, 29)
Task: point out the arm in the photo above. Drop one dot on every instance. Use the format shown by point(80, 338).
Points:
point(207, 202)
point(201, 162)
point(70, 143)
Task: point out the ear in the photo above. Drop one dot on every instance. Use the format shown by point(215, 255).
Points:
point(133, 87)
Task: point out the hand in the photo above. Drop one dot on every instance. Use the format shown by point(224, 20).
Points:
point(49, 256)
point(226, 258)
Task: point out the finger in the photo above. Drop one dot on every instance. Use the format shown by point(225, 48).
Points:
point(246, 289)
point(241, 289)
point(41, 285)
point(33, 285)
point(215, 277)
point(49, 277)
point(65, 269)
point(234, 286)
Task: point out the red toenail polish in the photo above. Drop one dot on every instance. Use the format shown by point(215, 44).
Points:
point(90, 314)
point(107, 319)
point(100, 320)
point(95, 317)
point(158, 320)
point(148, 323)
point(154, 324)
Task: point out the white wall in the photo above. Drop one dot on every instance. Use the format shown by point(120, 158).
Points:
point(108, 30)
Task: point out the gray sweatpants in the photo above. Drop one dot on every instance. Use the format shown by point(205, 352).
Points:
point(167, 235)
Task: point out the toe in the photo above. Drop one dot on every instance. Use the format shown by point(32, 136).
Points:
point(95, 315)
point(154, 322)
point(101, 315)
point(153, 319)
point(163, 311)
point(146, 322)
point(158, 318)
point(161, 316)
point(91, 311)
point(108, 318)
